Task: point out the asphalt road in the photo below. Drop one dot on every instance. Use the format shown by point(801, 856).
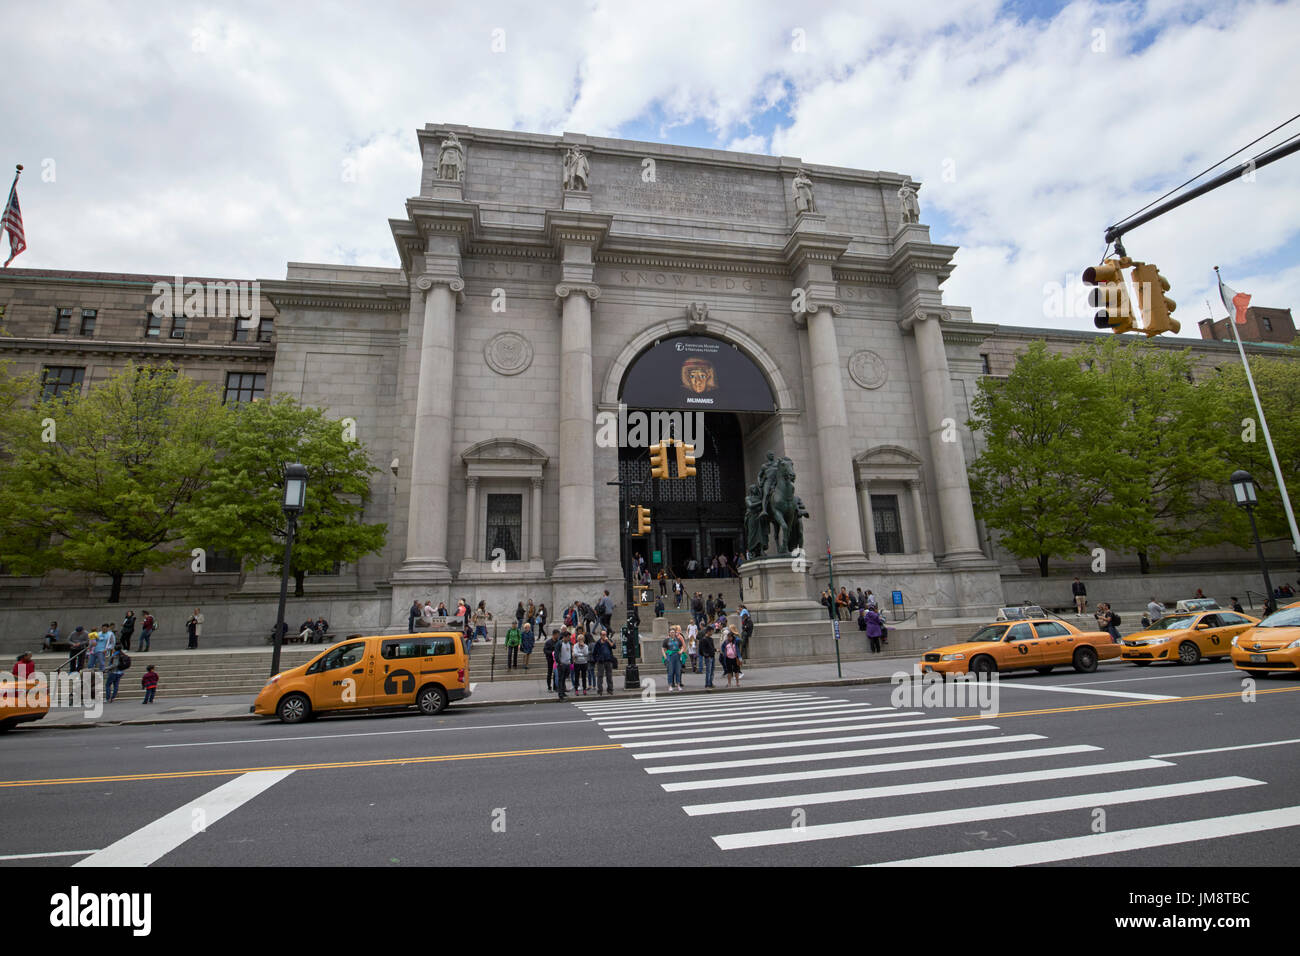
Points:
point(1079, 770)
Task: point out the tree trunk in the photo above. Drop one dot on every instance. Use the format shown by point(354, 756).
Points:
point(297, 582)
point(1042, 564)
point(1144, 566)
point(116, 594)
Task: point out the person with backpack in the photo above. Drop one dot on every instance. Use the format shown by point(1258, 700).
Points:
point(113, 680)
point(706, 650)
point(731, 659)
point(672, 648)
point(149, 681)
point(581, 657)
point(1110, 622)
point(874, 626)
point(513, 640)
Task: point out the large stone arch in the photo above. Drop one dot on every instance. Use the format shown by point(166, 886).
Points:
point(723, 331)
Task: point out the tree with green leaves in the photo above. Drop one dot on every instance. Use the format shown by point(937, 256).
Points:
point(1044, 479)
point(105, 481)
point(241, 508)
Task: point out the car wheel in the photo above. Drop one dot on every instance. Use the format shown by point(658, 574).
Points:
point(432, 700)
point(982, 666)
point(1085, 660)
point(1188, 653)
point(294, 709)
point(1043, 670)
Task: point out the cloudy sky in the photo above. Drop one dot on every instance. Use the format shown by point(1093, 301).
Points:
point(227, 139)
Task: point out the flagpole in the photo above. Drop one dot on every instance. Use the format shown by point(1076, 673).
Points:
point(1268, 440)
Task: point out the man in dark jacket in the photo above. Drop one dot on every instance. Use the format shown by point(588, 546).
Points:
point(1080, 593)
point(548, 649)
point(707, 651)
point(602, 656)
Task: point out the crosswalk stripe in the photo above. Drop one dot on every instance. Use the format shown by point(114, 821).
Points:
point(695, 724)
point(802, 732)
point(685, 707)
point(913, 821)
point(928, 786)
point(729, 712)
point(778, 745)
point(764, 724)
point(842, 754)
point(1118, 841)
point(962, 760)
point(692, 700)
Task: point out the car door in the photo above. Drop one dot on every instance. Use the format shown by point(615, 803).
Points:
point(1021, 647)
point(1055, 643)
point(1219, 642)
point(344, 678)
point(395, 679)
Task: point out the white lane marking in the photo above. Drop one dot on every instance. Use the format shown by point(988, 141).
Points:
point(373, 733)
point(745, 748)
point(807, 732)
point(690, 725)
point(843, 754)
point(41, 856)
point(1053, 688)
point(1117, 841)
point(765, 724)
point(894, 767)
point(656, 710)
point(691, 700)
point(1209, 672)
point(677, 718)
point(929, 786)
point(913, 821)
point(155, 840)
point(1219, 750)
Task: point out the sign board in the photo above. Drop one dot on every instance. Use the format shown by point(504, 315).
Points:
point(698, 374)
point(657, 557)
point(836, 625)
point(898, 598)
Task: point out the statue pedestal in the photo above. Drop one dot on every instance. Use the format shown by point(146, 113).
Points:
point(776, 589)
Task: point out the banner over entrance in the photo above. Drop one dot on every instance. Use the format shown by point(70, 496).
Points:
point(698, 374)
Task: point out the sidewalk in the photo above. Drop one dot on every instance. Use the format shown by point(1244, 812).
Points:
point(179, 710)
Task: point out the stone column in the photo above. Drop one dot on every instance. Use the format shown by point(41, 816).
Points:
point(864, 501)
point(471, 519)
point(955, 509)
point(426, 532)
point(535, 522)
point(833, 442)
point(577, 545)
point(922, 535)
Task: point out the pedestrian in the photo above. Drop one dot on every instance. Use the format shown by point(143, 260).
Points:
point(519, 616)
point(526, 641)
point(563, 662)
point(149, 681)
point(94, 653)
point(481, 617)
point(1111, 624)
point(1080, 593)
point(697, 608)
point(127, 630)
point(672, 657)
point(678, 592)
point(78, 644)
point(605, 611)
point(602, 656)
point(1236, 606)
point(709, 609)
point(720, 605)
point(412, 615)
point(147, 627)
point(427, 615)
point(746, 631)
point(842, 604)
point(548, 651)
point(731, 659)
point(659, 606)
point(194, 628)
point(707, 649)
point(871, 600)
point(693, 650)
point(442, 610)
point(874, 628)
point(24, 666)
point(114, 679)
point(531, 614)
point(51, 636)
point(581, 656)
point(540, 623)
point(1156, 610)
point(513, 639)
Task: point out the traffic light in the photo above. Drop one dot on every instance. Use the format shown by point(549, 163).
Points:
point(659, 460)
point(1110, 295)
point(685, 460)
point(1154, 305)
point(642, 520)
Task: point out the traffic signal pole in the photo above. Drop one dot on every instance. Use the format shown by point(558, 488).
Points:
point(631, 628)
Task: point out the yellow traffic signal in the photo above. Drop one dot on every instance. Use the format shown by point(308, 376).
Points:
point(642, 520)
point(659, 460)
point(1154, 305)
point(1110, 295)
point(685, 460)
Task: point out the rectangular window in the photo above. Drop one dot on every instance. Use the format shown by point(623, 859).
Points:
point(178, 326)
point(62, 321)
point(244, 387)
point(889, 529)
point(153, 326)
point(245, 334)
point(88, 317)
point(60, 380)
point(505, 522)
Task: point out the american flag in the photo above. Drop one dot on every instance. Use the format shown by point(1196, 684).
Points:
point(13, 222)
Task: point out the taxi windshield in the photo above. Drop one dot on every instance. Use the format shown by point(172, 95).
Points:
point(992, 633)
point(1173, 623)
point(1289, 617)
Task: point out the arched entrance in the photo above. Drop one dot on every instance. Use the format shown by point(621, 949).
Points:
point(709, 392)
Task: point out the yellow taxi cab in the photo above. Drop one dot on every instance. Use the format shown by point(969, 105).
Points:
point(1040, 643)
point(21, 701)
point(1187, 638)
point(1271, 645)
point(425, 670)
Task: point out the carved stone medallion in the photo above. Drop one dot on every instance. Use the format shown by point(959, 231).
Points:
point(868, 369)
point(508, 353)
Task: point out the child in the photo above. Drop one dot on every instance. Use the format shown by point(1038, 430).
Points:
point(693, 646)
point(149, 681)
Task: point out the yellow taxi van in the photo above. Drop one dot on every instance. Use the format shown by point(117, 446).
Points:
point(363, 672)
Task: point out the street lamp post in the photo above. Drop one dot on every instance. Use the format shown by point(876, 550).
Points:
point(295, 495)
point(1243, 490)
